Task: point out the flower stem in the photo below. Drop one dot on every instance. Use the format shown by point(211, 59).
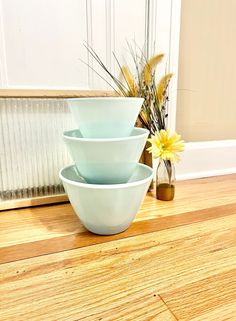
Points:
point(168, 166)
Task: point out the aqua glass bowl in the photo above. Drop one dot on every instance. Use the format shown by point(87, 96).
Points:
point(106, 160)
point(106, 209)
point(105, 117)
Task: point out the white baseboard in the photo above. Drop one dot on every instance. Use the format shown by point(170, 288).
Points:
point(181, 177)
point(210, 158)
point(205, 159)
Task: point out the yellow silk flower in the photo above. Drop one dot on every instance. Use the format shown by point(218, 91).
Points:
point(165, 146)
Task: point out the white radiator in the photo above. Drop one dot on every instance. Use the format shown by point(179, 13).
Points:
point(32, 150)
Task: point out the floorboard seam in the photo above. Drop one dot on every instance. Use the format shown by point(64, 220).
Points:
point(168, 308)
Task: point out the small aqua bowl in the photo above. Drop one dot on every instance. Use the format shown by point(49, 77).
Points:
point(105, 117)
point(106, 209)
point(106, 160)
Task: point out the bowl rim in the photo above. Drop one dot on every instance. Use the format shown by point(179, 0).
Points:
point(105, 98)
point(143, 132)
point(108, 186)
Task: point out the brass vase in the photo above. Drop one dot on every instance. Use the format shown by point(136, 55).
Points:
point(165, 180)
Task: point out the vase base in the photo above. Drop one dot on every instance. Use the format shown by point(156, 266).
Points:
point(165, 192)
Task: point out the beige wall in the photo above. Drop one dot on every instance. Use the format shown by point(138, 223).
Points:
point(206, 107)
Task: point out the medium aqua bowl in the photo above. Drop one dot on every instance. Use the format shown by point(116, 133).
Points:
point(106, 209)
point(106, 160)
point(105, 117)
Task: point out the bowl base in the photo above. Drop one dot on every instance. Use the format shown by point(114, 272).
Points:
point(106, 230)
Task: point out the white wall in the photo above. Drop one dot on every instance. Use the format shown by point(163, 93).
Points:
point(206, 97)
point(206, 111)
point(41, 41)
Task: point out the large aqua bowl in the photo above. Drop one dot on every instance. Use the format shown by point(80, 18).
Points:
point(106, 209)
point(106, 160)
point(105, 117)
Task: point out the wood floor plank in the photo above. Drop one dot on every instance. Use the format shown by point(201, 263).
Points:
point(85, 238)
point(196, 232)
point(122, 279)
point(213, 292)
point(225, 312)
point(45, 222)
point(37, 223)
point(192, 195)
point(176, 261)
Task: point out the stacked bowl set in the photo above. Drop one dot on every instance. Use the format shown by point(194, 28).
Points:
point(106, 185)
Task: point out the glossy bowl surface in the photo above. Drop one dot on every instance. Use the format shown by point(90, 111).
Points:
point(105, 117)
point(106, 160)
point(106, 209)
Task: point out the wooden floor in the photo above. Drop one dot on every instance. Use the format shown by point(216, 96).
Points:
point(176, 262)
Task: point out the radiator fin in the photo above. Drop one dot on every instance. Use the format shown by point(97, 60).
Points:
point(32, 150)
